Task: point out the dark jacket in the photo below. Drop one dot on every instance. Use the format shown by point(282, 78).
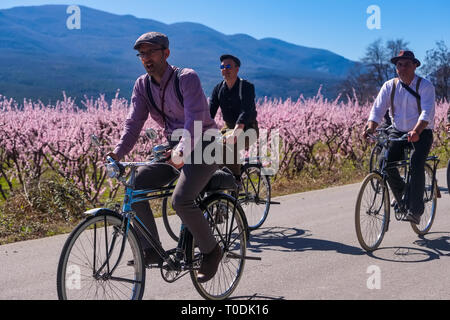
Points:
point(236, 108)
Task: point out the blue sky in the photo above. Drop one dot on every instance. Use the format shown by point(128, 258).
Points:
point(337, 25)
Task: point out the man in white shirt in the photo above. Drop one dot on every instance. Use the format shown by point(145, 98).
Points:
point(410, 101)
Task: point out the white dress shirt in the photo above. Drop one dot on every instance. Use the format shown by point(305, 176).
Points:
point(405, 105)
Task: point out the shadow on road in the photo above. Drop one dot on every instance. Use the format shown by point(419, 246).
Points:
point(292, 239)
point(257, 296)
point(403, 254)
point(436, 241)
point(434, 246)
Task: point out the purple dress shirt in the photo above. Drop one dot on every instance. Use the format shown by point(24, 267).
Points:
point(177, 116)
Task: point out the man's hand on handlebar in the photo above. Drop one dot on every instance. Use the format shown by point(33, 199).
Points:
point(413, 136)
point(113, 155)
point(369, 129)
point(231, 136)
point(176, 158)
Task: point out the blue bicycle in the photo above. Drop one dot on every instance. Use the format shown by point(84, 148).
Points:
point(94, 262)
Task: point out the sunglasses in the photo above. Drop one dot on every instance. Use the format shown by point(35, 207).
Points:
point(225, 66)
point(148, 53)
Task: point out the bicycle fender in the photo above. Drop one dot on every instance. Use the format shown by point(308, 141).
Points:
point(97, 211)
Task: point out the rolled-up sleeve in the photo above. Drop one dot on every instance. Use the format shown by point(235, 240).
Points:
point(380, 105)
point(427, 100)
point(133, 124)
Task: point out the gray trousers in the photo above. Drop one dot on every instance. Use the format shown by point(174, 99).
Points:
point(192, 180)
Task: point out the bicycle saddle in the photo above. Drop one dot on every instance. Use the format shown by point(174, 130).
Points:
point(222, 179)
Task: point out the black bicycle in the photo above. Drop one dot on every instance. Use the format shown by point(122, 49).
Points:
point(372, 212)
point(94, 262)
point(254, 197)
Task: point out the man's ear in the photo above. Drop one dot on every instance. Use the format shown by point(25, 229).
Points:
point(166, 53)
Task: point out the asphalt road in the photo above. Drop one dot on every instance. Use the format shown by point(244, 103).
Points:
point(308, 248)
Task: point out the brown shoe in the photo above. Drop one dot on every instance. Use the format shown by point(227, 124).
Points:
point(210, 263)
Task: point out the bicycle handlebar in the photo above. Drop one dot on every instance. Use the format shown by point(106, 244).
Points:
point(116, 169)
point(381, 139)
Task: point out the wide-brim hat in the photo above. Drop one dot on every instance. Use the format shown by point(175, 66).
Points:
point(403, 54)
point(229, 56)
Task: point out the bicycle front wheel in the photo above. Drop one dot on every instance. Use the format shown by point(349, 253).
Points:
point(255, 195)
point(229, 228)
point(430, 203)
point(171, 220)
point(372, 212)
point(375, 158)
point(94, 262)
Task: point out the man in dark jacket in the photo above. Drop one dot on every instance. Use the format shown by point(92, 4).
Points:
point(236, 99)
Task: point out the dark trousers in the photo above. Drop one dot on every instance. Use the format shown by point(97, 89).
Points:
point(191, 181)
point(418, 158)
point(151, 177)
point(232, 152)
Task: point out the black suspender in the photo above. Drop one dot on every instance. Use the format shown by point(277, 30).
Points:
point(177, 90)
point(411, 91)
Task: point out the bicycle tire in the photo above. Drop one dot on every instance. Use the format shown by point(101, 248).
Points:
point(232, 240)
point(255, 196)
point(77, 264)
point(374, 194)
point(172, 222)
point(430, 202)
point(374, 157)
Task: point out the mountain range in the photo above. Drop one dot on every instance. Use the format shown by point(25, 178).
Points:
point(40, 57)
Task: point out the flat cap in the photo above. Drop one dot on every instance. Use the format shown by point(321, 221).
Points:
point(229, 56)
point(154, 38)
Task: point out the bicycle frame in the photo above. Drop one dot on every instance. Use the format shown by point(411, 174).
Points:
point(104, 227)
point(406, 164)
point(128, 215)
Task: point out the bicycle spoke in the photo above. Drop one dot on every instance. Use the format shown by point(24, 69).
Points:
point(229, 230)
point(98, 242)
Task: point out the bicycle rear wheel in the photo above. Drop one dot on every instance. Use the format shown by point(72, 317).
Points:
point(229, 228)
point(372, 212)
point(94, 265)
point(255, 195)
point(430, 202)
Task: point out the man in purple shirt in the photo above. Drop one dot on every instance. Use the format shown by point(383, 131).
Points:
point(175, 100)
